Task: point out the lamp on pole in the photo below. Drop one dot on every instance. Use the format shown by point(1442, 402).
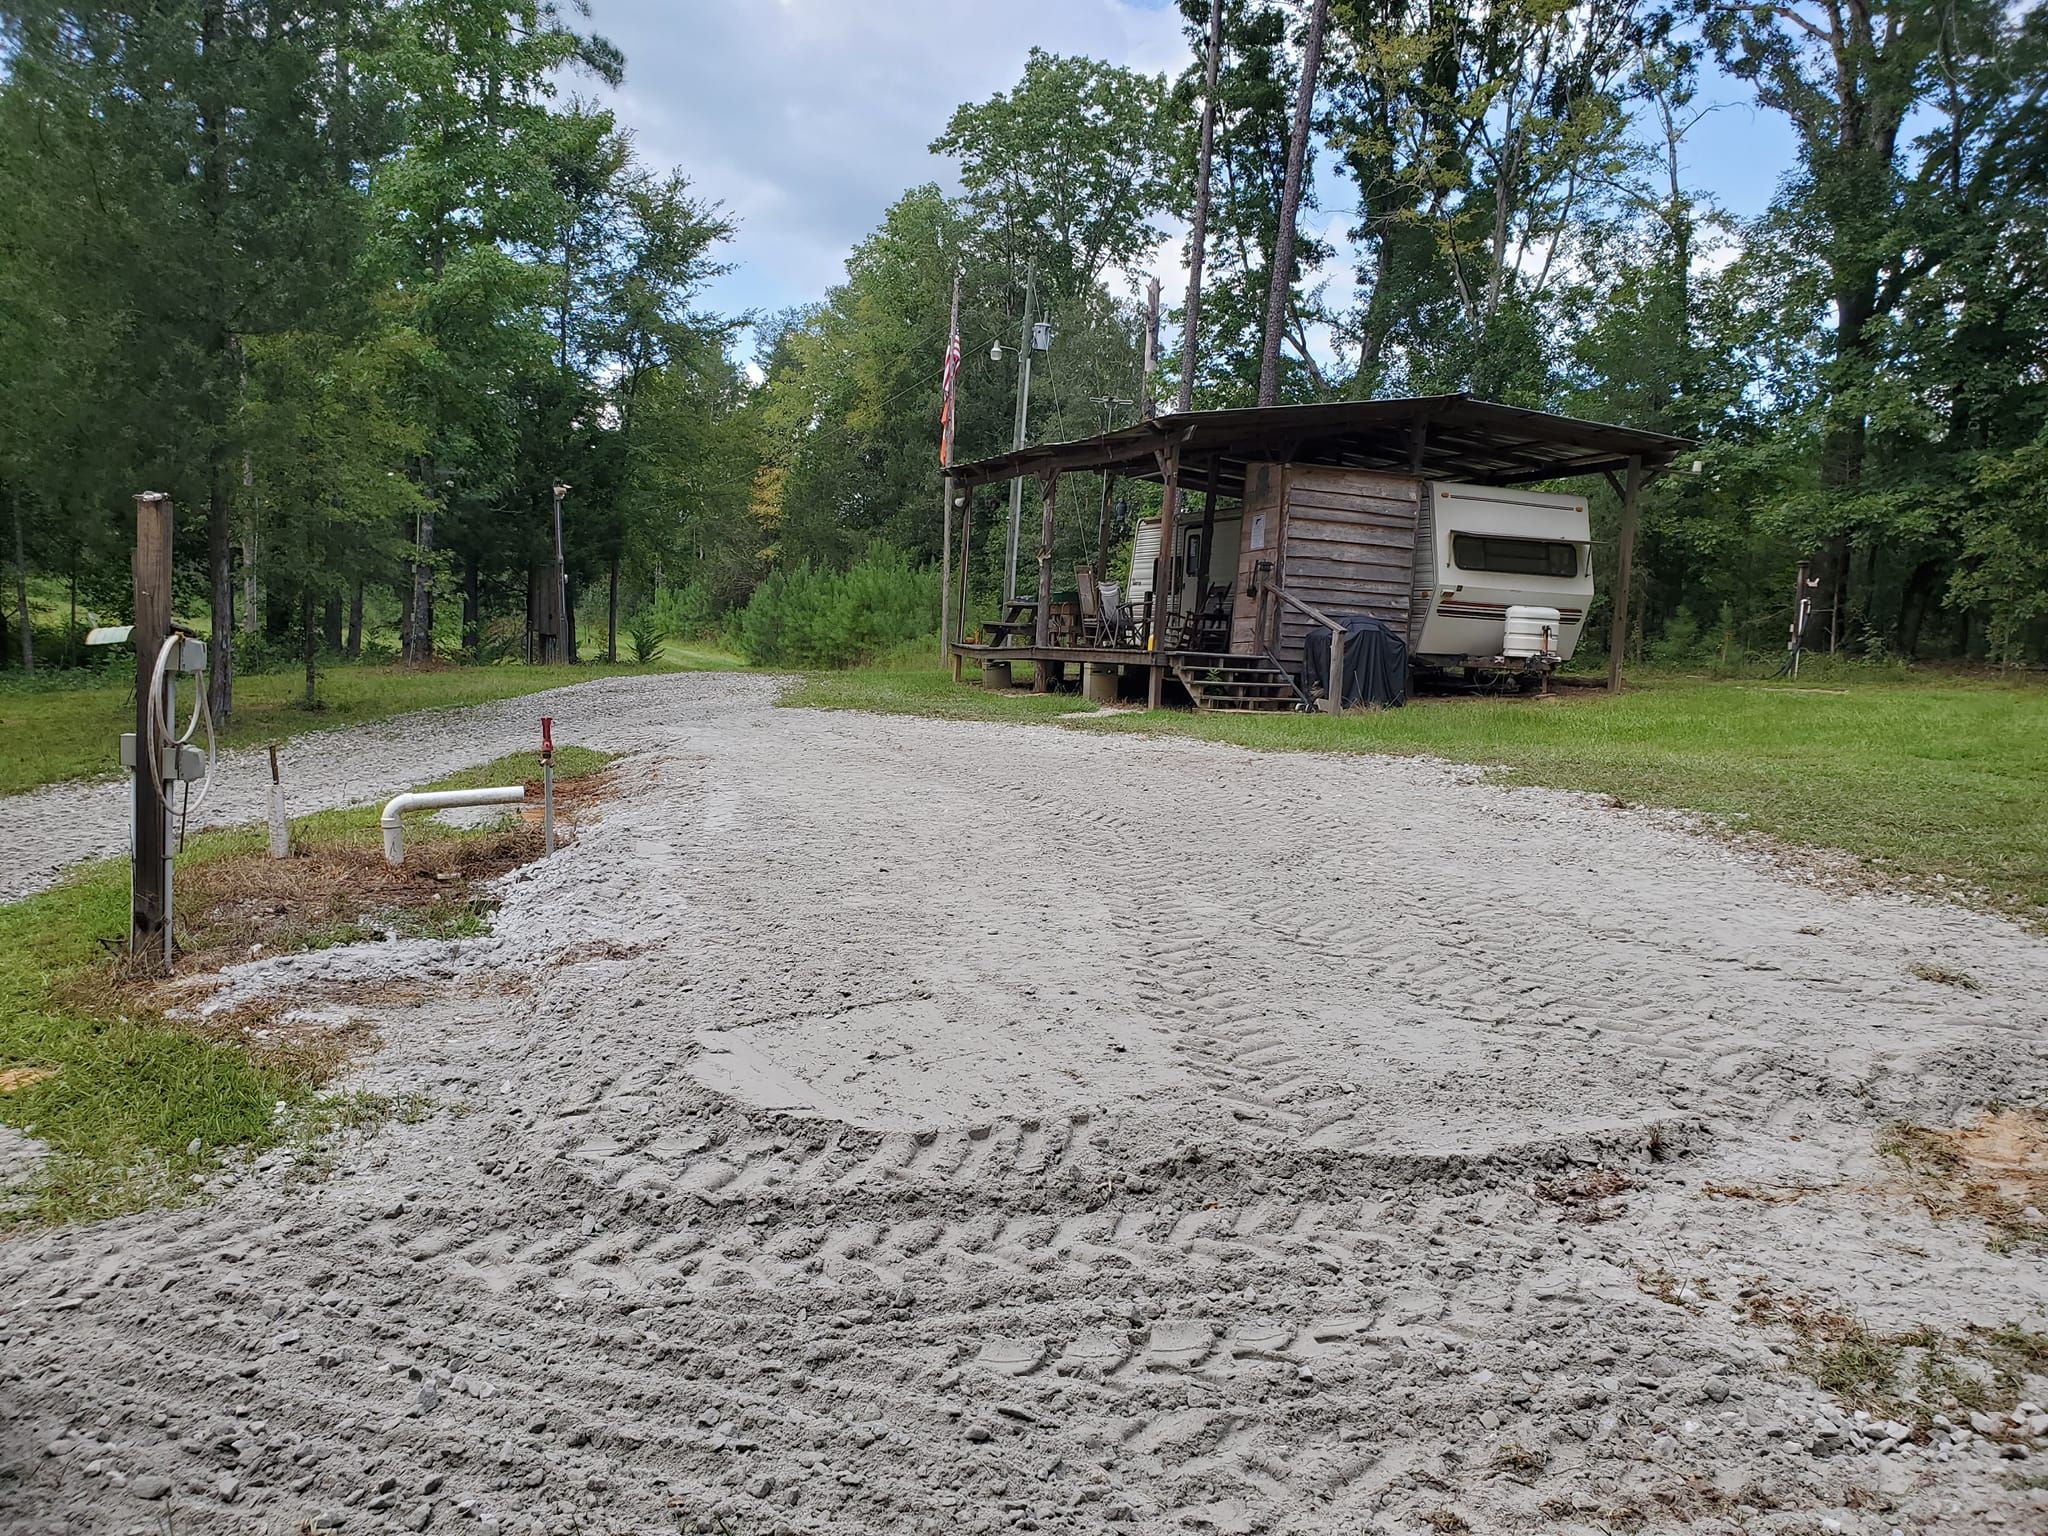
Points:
point(561, 581)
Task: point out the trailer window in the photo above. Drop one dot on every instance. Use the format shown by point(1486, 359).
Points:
point(1514, 557)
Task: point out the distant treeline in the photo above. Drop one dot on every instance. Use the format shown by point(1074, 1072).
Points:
point(359, 287)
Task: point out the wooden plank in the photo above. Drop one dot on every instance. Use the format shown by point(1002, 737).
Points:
point(1338, 502)
point(1315, 477)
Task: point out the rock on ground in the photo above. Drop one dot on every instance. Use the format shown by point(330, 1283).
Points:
point(873, 1124)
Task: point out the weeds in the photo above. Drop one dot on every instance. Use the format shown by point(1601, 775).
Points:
point(1908, 1376)
point(1994, 1170)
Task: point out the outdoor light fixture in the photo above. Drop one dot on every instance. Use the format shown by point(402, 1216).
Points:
point(995, 350)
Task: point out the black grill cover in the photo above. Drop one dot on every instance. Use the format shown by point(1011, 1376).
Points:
point(1375, 663)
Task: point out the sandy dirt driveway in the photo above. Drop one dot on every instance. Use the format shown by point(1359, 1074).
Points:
point(892, 1125)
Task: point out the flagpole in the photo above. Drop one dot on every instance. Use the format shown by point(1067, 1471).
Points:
point(946, 494)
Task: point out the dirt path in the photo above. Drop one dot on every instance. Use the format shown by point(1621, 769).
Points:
point(893, 1125)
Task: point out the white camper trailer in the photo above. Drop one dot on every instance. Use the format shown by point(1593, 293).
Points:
point(1503, 579)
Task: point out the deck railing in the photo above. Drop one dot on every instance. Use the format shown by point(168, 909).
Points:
point(1273, 596)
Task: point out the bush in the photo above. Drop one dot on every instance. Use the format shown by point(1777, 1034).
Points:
point(812, 617)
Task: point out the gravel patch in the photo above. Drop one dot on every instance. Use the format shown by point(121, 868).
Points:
point(876, 1124)
point(54, 828)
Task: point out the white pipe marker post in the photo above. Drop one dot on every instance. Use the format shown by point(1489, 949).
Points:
point(280, 830)
point(436, 800)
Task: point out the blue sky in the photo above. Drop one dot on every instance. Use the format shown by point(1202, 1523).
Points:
point(807, 118)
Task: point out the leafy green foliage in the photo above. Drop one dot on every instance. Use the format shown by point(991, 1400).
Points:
point(811, 616)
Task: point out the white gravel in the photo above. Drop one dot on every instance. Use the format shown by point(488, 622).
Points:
point(49, 830)
point(876, 1124)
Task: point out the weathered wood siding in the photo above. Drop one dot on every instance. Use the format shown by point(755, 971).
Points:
point(1349, 538)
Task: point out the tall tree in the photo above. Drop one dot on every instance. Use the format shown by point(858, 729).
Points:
point(1280, 287)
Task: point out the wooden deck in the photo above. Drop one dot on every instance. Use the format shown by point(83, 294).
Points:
point(1100, 655)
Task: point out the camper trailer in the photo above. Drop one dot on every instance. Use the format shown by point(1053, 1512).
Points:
point(1282, 522)
point(1502, 579)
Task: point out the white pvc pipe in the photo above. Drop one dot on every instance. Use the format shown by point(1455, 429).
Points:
point(436, 800)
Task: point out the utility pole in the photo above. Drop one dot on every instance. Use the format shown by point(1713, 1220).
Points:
point(1198, 231)
point(1017, 439)
point(149, 916)
point(559, 585)
point(951, 384)
point(1281, 284)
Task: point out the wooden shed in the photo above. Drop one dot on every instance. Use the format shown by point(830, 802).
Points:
point(1278, 519)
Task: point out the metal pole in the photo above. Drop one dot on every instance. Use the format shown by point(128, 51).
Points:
point(547, 784)
point(1017, 438)
point(561, 598)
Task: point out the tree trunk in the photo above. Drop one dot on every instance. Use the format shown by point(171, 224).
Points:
point(420, 647)
point(405, 592)
point(226, 374)
point(330, 623)
point(220, 660)
point(28, 637)
point(310, 641)
point(472, 608)
point(1198, 230)
point(249, 576)
point(1280, 282)
point(569, 620)
point(353, 647)
point(611, 614)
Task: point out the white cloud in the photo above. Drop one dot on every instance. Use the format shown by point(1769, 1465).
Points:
point(807, 118)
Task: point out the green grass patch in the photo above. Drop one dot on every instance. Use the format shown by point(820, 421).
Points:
point(137, 1107)
point(49, 733)
point(1935, 782)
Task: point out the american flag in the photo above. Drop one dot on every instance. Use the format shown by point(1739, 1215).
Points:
point(949, 378)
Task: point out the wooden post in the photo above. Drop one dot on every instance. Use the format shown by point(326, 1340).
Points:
point(1333, 701)
point(1155, 639)
point(1048, 487)
point(149, 904)
point(946, 568)
point(1617, 635)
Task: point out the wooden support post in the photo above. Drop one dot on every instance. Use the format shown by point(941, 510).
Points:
point(149, 908)
point(1048, 488)
point(1333, 701)
point(946, 564)
point(1617, 634)
point(1155, 639)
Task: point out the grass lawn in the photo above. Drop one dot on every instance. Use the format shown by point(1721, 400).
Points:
point(139, 1107)
point(1932, 781)
point(51, 733)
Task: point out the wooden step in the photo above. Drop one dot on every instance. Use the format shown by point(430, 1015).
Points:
point(1235, 684)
